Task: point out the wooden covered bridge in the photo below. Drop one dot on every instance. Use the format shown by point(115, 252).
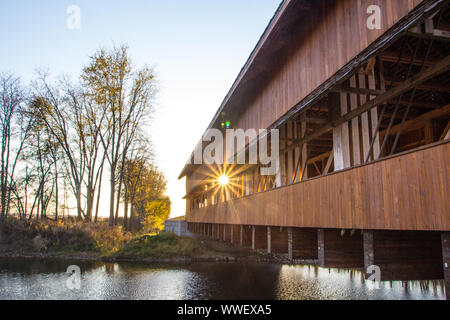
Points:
point(363, 114)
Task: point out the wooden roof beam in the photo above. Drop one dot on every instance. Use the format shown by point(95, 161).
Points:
point(363, 91)
point(439, 68)
point(390, 56)
point(434, 87)
point(418, 104)
point(420, 121)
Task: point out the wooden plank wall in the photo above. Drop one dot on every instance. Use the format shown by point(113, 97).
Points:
point(327, 39)
point(406, 192)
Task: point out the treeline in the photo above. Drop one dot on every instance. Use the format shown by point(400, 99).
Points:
point(61, 138)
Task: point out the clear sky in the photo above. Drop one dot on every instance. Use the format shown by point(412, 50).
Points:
point(197, 47)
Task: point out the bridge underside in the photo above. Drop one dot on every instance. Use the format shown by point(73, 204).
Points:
point(400, 255)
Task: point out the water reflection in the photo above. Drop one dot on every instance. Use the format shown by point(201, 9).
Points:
point(305, 283)
point(35, 279)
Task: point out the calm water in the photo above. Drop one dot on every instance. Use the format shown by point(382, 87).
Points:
point(36, 279)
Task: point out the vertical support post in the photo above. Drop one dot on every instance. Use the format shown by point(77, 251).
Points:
point(365, 129)
point(269, 240)
point(290, 244)
point(428, 132)
point(355, 125)
point(445, 236)
point(289, 160)
point(321, 246)
point(369, 257)
point(280, 177)
point(304, 166)
point(232, 234)
point(374, 112)
point(341, 147)
point(253, 237)
point(297, 154)
point(224, 232)
point(241, 235)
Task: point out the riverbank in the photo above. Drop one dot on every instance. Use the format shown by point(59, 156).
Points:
point(72, 240)
point(211, 256)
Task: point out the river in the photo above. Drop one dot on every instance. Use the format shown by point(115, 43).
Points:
point(47, 279)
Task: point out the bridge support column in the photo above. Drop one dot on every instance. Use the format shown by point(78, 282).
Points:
point(303, 244)
point(446, 261)
point(253, 238)
point(338, 249)
point(290, 252)
point(404, 255)
point(231, 233)
point(269, 240)
point(279, 240)
point(241, 236)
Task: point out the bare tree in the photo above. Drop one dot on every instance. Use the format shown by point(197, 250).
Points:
point(125, 96)
point(12, 97)
point(62, 116)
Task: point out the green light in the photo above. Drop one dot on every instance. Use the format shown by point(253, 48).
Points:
point(228, 124)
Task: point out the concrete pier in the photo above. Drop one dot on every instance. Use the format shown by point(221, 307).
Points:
point(445, 238)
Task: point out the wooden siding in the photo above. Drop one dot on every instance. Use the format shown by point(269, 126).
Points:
point(325, 40)
point(405, 192)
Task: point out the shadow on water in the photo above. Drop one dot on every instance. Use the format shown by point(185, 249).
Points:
point(46, 279)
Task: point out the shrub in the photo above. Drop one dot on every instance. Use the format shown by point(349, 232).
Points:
point(61, 236)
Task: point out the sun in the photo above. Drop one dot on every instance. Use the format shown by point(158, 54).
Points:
point(223, 180)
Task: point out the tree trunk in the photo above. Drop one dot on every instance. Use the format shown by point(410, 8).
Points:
point(78, 195)
point(118, 199)
point(125, 213)
point(56, 191)
point(98, 194)
point(112, 195)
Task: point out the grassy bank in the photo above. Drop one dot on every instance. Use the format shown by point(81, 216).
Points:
point(163, 245)
point(94, 241)
point(67, 237)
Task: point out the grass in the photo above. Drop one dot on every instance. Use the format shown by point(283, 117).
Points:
point(75, 238)
point(163, 245)
point(61, 238)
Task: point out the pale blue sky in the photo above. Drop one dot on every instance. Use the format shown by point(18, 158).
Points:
point(197, 47)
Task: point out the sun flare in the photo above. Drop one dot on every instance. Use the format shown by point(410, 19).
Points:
point(223, 180)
